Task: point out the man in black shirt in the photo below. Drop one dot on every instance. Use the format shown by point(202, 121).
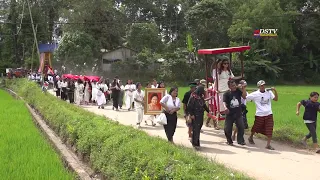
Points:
point(232, 103)
point(185, 101)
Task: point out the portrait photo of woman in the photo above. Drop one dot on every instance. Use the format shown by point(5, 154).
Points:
point(154, 102)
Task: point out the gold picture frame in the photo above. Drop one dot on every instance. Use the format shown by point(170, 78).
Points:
point(152, 99)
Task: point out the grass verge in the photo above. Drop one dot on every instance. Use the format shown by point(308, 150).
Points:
point(118, 151)
point(24, 152)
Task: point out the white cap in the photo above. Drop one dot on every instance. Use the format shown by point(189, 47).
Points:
point(260, 83)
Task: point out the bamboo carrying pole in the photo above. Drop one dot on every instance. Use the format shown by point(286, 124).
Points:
point(34, 34)
point(33, 29)
point(34, 44)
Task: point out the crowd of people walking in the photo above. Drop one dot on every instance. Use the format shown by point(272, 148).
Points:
point(227, 96)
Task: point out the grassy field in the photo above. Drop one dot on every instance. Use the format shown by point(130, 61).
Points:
point(24, 152)
point(288, 127)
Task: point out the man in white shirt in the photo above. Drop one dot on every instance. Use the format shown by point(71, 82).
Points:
point(129, 89)
point(139, 99)
point(64, 85)
point(264, 118)
point(154, 84)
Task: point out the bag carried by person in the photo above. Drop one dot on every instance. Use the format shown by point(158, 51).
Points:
point(161, 119)
point(188, 117)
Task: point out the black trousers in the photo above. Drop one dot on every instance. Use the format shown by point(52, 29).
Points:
point(228, 126)
point(120, 99)
point(170, 127)
point(196, 128)
point(312, 131)
point(244, 116)
point(71, 97)
point(115, 99)
point(58, 92)
point(64, 95)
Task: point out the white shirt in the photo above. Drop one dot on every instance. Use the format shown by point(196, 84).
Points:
point(104, 87)
point(64, 84)
point(59, 84)
point(168, 101)
point(244, 101)
point(154, 86)
point(130, 87)
point(140, 97)
point(223, 79)
point(262, 101)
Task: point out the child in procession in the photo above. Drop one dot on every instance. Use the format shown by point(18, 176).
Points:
point(101, 99)
point(312, 107)
point(138, 97)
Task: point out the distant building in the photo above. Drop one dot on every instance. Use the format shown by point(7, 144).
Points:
point(119, 54)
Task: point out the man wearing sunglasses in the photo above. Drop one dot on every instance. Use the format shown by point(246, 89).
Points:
point(264, 118)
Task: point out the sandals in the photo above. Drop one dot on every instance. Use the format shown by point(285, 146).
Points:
point(318, 151)
point(251, 141)
point(271, 148)
point(215, 123)
point(303, 142)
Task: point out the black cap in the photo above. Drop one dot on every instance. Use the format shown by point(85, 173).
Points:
point(192, 84)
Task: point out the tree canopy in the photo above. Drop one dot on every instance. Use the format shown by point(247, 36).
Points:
point(171, 30)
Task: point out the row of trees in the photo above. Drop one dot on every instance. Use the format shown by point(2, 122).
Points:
point(169, 29)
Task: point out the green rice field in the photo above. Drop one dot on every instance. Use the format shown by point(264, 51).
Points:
point(24, 151)
point(288, 126)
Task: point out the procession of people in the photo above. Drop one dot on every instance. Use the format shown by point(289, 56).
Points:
point(226, 97)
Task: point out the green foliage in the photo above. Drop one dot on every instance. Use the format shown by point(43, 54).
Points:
point(24, 151)
point(144, 35)
point(76, 50)
point(209, 21)
point(164, 27)
point(117, 151)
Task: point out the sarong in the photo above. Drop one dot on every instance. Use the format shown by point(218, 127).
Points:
point(263, 125)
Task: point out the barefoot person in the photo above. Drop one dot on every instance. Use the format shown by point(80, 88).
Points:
point(264, 118)
point(232, 104)
point(311, 109)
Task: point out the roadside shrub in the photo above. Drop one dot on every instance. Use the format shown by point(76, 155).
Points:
point(118, 151)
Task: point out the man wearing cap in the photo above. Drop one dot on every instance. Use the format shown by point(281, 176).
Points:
point(197, 81)
point(185, 101)
point(264, 118)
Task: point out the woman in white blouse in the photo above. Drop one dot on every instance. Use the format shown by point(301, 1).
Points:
point(171, 104)
point(223, 75)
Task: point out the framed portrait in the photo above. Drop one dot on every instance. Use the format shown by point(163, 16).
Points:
point(152, 99)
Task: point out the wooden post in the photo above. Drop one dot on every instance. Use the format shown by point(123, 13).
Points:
point(34, 44)
point(230, 57)
point(206, 64)
point(242, 66)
